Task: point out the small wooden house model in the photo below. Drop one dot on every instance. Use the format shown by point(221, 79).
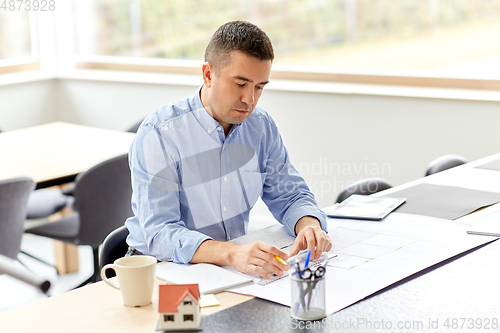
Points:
point(179, 307)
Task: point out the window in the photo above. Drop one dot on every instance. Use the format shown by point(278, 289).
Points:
point(168, 317)
point(15, 35)
point(188, 317)
point(188, 303)
point(18, 41)
point(434, 37)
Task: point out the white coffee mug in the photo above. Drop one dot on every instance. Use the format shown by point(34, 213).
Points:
point(136, 277)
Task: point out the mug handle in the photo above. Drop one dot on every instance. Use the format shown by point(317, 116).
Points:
point(105, 278)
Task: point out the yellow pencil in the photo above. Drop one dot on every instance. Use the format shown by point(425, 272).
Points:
point(280, 260)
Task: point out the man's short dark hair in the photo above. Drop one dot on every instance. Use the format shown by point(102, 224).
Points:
point(237, 35)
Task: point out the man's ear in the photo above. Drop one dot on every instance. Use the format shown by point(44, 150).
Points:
point(208, 73)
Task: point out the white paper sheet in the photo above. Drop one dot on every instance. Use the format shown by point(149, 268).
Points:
point(374, 255)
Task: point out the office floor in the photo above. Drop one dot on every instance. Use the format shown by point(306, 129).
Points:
point(14, 293)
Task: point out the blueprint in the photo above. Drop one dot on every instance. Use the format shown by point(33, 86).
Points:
point(370, 255)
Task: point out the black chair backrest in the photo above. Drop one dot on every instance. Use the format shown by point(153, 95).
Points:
point(14, 194)
point(364, 187)
point(114, 247)
point(103, 199)
point(443, 163)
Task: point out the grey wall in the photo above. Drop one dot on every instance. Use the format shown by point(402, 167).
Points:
point(333, 139)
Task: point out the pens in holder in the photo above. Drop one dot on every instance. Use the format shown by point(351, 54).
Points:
point(308, 257)
point(308, 289)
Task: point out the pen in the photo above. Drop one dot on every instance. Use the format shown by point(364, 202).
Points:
point(308, 257)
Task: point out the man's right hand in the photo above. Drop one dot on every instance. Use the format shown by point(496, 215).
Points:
point(259, 258)
point(256, 257)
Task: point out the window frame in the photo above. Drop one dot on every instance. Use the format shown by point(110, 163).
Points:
point(293, 73)
point(16, 65)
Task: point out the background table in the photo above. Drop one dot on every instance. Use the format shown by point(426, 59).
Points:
point(55, 153)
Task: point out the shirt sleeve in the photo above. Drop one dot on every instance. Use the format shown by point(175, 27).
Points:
point(156, 202)
point(285, 192)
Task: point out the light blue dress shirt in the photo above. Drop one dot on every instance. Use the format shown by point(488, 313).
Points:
point(192, 183)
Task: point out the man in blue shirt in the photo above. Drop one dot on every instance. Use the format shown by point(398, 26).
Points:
point(199, 165)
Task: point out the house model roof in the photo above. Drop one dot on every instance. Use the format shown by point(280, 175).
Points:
point(171, 295)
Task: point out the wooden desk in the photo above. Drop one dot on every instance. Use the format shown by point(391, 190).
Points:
point(465, 286)
point(94, 308)
point(55, 153)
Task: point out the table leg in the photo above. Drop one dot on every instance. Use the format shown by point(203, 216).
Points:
point(66, 257)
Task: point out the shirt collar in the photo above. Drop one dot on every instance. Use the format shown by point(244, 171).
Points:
point(207, 122)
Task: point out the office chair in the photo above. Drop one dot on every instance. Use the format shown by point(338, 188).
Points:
point(102, 203)
point(114, 247)
point(443, 163)
point(14, 194)
point(364, 187)
point(45, 202)
point(7, 266)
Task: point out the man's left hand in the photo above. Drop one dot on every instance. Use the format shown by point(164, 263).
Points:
point(310, 236)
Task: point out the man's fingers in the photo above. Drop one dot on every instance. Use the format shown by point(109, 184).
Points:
point(313, 238)
point(310, 239)
point(261, 272)
point(267, 257)
point(273, 250)
point(320, 244)
point(295, 249)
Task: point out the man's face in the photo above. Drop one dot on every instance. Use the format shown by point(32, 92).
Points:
point(231, 95)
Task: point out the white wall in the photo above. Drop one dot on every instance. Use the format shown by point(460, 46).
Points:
point(27, 104)
point(112, 105)
point(333, 139)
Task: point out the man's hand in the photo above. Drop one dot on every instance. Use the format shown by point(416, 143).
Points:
point(310, 236)
point(259, 258)
point(256, 257)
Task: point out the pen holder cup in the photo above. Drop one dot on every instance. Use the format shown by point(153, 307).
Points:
point(308, 298)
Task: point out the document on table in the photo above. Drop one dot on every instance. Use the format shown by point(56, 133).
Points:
point(364, 207)
point(210, 278)
point(442, 201)
point(493, 165)
point(485, 222)
point(372, 256)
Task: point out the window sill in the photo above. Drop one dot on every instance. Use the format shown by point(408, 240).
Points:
point(300, 86)
point(292, 85)
point(24, 77)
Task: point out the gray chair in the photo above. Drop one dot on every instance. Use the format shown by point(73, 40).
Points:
point(45, 202)
point(7, 266)
point(443, 163)
point(364, 187)
point(14, 194)
point(102, 203)
point(114, 247)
